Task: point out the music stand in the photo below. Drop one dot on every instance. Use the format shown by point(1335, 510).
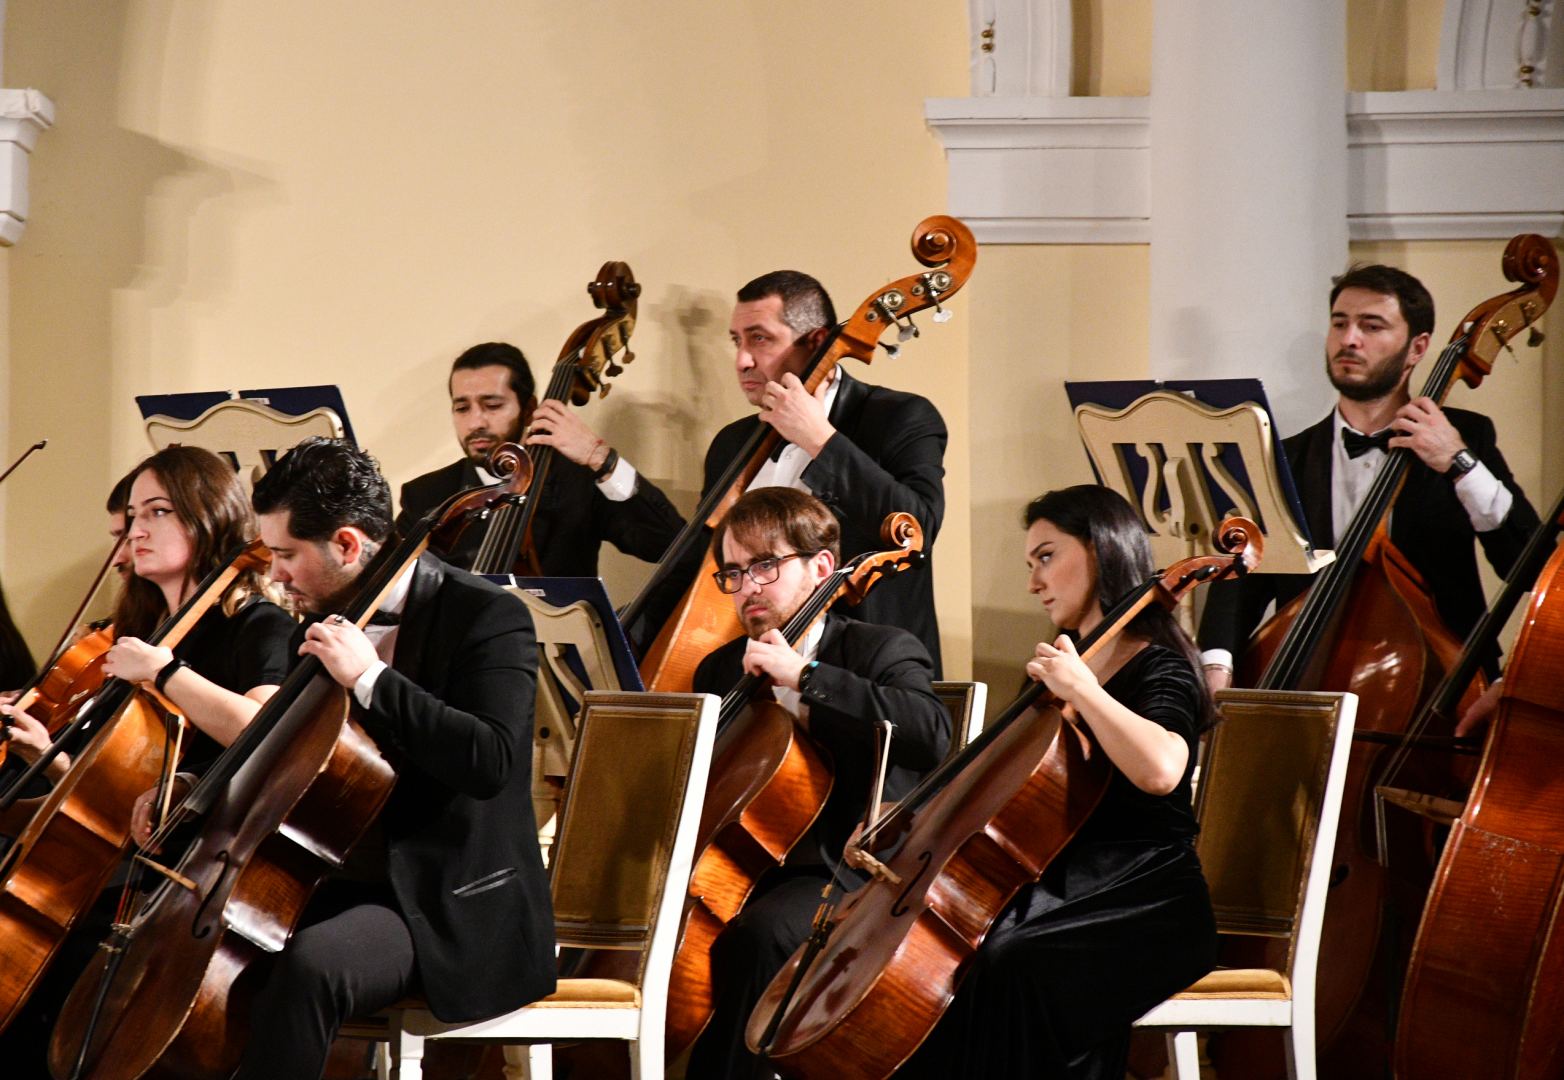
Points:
point(1188, 453)
point(251, 428)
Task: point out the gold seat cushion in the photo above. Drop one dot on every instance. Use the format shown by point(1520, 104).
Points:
point(1240, 983)
point(591, 993)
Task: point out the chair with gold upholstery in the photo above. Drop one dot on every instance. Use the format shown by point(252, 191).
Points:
point(965, 701)
point(621, 866)
point(1268, 806)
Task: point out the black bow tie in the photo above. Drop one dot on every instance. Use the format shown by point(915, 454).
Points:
point(385, 618)
point(1357, 445)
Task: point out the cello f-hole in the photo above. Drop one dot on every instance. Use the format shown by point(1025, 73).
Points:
point(197, 930)
point(900, 908)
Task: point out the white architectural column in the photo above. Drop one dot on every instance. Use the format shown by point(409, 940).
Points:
point(1248, 189)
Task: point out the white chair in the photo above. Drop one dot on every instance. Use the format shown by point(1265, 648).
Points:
point(965, 701)
point(621, 867)
point(1268, 807)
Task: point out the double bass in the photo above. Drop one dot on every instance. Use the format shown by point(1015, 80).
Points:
point(857, 999)
point(1368, 624)
point(283, 806)
point(769, 782)
point(703, 618)
point(1484, 990)
point(586, 362)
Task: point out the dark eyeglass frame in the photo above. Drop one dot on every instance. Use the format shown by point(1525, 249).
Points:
point(731, 581)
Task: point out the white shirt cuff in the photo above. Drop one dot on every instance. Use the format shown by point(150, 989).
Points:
point(1485, 498)
point(618, 485)
point(364, 689)
point(1217, 656)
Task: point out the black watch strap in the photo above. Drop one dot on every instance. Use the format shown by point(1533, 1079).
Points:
point(166, 672)
point(610, 463)
point(1462, 463)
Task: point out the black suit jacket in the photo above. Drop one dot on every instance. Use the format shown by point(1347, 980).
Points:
point(572, 520)
point(454, 715)
point(867, 673)
point(1427, 523)
point(888, 454)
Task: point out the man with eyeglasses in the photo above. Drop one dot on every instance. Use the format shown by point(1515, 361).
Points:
point(775, 548)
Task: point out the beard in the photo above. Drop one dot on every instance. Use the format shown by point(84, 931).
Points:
point(1377, 381)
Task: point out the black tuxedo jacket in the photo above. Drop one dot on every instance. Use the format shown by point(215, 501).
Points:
point(1427, 523)
point(867, 673)
point(572, 520)
point(888, 454)
point(453, 714)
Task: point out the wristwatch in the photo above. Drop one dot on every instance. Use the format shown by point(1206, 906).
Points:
point(1462, 463)
point(805, 675)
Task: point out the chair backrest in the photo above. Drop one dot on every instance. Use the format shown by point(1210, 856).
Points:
point(1269, 800)
point(627, 834)
point(965, 701)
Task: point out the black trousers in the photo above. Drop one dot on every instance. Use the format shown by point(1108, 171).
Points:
point(352, 956)
point(744, 959)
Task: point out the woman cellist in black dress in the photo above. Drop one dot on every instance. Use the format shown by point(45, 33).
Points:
point(1121, 918)
point(187, 513)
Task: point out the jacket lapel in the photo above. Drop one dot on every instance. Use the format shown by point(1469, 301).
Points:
point(417, 615)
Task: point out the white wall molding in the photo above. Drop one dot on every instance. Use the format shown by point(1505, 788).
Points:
point(24, 115)
point(1422, 164)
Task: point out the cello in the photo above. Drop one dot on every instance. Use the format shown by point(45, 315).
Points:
point(283, 805)
point(1498, 1010)
point(586, 363)
point(859, 997)
point(769, 782)
point(69, 848)
point(1368, 624)
point(703, 618)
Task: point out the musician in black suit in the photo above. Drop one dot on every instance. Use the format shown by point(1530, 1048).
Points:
point(589, 496)
point(774, 549)
point(865, 451)
point(446, 897)
point(1457, 488)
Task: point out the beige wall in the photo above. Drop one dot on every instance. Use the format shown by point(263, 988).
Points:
point(241, 194)
point(1045, 314)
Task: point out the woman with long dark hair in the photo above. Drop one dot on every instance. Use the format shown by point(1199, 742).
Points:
point(186, 515)
point(1122, 917)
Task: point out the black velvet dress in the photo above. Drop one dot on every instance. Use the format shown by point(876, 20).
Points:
point(1118, 922)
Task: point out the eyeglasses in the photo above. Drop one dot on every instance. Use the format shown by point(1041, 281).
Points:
point(761, 571)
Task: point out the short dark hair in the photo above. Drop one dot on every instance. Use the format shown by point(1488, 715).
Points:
point(325, 484)
point(497, 354)
point(1110, 527)
point(119, 498)
point(762, 516)
point(1417, 306)
point(806, 305)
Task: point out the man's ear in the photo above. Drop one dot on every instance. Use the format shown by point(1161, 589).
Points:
point(528, 407)
point(1418, 349)
point(347, 544)
point(823, 563)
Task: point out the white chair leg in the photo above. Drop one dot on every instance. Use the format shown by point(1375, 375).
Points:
point(1184, 1055)
point(529, 1061)
point(382, 1061)
point(1300, 1045)
point(406, 1053)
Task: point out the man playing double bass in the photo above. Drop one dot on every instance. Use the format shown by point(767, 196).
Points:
point(447, 895)
point(774, 549)
point(864, 451)
point(589, 496)
point(1458, 488)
